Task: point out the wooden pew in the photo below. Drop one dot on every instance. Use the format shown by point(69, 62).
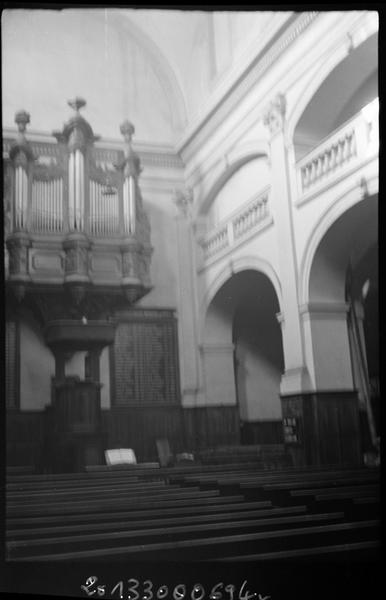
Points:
point(357, 551)
point(227, 545)
point(86, 541)
point(41, 529)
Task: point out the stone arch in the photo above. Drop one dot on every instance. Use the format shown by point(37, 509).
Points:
point(332, 290)
point(242, 353)
point(232, 162)
point(338, 56)
point(236, 266)
point(331, 215)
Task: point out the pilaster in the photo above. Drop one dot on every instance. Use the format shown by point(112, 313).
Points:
point(295, 378)
point(187, 321)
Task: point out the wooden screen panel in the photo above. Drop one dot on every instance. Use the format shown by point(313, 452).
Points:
point(145, 360)
point(11, 365)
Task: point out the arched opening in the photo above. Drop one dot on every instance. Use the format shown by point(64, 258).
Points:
point(243, 358)
point(351, 86)
point(239, 183)
point(343, 313)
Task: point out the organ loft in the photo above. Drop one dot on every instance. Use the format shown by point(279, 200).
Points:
point(78, 247)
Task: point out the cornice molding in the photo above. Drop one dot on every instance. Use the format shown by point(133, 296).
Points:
point(216, 114)
point(150, 154)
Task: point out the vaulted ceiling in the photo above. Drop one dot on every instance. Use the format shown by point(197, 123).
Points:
point(156, 67)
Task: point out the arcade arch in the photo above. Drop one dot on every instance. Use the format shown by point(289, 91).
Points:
point(326, 105)
point(340, 318)
point(243, 354)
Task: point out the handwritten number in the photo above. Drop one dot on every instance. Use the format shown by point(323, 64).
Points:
point(89, 583)
point(133, 588)
point(101, 590)
point(162, 592)
point(177, 594)
point(118, 586)
point(217, 595)
point(197, 588)
point(246, 595)
point(231, 589)
point(148, 586)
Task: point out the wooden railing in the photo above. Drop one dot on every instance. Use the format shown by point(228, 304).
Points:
point(238, 225)
point(346, 148)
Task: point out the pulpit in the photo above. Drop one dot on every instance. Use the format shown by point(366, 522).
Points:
point(74, 429)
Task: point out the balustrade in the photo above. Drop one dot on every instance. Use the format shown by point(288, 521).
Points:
point(216, 242)
point(350, 145)
point(248, 218)
point(245, 220)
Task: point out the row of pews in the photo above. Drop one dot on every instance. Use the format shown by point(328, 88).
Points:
point(228, 512)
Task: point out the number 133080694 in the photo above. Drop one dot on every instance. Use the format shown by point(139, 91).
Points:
point(133, 589)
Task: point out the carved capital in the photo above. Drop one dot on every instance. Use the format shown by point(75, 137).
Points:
point(183, 199)
point(274, 115)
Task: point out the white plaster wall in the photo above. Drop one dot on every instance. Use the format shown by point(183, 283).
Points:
point(37, 366)
point(163, 269)
point(331, 353)
point(50, 57)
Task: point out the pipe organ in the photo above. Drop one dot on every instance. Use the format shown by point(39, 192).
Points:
point(69, 217)
point(77, 251)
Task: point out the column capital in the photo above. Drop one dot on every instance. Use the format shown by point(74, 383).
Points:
point(183, 199)
point(274, 114)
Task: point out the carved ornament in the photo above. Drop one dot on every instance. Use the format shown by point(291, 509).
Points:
point(274, 115)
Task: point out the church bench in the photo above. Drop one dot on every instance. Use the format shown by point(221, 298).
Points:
point(77, 492)
point(287, 485)
point(336, 491)
point(98, 506)
point(158, 534)
point(155, 519)
point(111, 501)
point(255, 481)
point(231, 545)
point(357, 550)
point(341, 495)
point(231, 504)
point(367, 500)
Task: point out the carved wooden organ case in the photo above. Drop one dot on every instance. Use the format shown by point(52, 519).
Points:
point(77, 238)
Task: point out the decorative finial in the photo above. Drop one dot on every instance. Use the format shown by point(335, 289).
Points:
point(77, 104)
point(22, 118)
